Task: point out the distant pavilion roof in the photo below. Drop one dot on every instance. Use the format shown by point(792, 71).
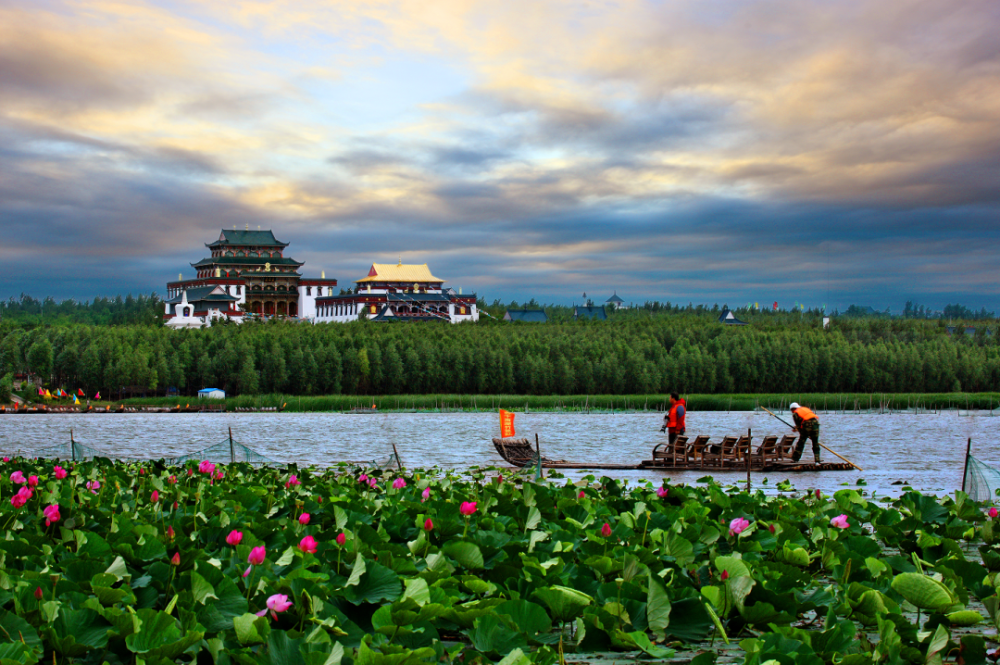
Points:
point(597, 313)
point(244, 238)
point(410, 274)
point(615, 299)
point(527, 315)
point(728, 318)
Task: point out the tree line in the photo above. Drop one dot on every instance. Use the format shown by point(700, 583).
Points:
point(630, 353)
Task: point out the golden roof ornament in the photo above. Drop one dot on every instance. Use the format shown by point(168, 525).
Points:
point(267, 267)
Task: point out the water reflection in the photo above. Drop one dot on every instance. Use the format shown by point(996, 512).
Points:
point(924, 451)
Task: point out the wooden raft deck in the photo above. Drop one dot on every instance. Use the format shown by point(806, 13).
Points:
point(520, 453)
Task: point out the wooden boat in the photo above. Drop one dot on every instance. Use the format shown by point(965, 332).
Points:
point(730, 454)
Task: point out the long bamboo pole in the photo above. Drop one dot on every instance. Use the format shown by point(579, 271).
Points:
point(834, 452)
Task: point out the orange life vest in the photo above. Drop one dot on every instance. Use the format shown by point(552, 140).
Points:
point(673, 422)
point(804, 413)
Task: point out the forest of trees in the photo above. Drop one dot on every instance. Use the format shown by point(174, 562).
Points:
point(130, 310)
point(635, 351)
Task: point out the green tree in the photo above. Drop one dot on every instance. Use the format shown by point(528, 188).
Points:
point(40, 359)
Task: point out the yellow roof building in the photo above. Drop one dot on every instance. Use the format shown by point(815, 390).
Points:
point(410, 274)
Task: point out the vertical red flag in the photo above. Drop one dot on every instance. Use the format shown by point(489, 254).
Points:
point(775, 306)
point(506, 424)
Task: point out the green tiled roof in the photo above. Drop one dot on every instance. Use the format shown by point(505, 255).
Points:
point(246, 261)
point(236, 237)
point(202, 294)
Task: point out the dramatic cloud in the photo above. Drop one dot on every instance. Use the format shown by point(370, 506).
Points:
point(684, 151)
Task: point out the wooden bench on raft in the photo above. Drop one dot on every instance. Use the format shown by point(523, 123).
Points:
point(518, 452)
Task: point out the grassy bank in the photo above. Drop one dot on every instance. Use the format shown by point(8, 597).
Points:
point(850, 402)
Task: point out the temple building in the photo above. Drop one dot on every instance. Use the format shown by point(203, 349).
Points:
point(247, 273)
point(398, 293)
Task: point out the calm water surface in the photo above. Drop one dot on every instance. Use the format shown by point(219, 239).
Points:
point(925, 451)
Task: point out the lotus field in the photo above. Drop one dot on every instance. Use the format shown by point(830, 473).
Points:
point(105, 562)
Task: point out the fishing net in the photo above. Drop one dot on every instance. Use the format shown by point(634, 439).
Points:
point(981, 481)
point(70, 450)
point(225, 452)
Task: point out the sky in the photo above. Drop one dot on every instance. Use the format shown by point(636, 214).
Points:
point(706, 151)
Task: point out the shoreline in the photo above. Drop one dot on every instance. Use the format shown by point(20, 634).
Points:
point(911, 403)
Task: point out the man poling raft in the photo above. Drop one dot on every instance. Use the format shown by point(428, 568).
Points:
point(807, 424)
point(675, 421)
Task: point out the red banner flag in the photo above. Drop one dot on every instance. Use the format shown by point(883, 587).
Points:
point(775, 307)
point(79, 392)
point(98, 395)
point(506, 424)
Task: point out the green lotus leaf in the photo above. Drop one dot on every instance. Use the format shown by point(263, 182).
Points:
point(923, 591)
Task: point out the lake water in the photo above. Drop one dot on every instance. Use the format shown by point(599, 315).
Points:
point(925, 451)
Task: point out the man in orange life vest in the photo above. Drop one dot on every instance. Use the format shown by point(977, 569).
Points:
point(674, 420)
point(807, 424)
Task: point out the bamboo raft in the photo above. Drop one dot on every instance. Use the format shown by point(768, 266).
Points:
point(730, 454)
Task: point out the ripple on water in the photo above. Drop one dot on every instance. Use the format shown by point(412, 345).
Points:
point(925, 451)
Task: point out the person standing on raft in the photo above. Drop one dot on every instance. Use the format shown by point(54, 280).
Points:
point(807, 424)
point(674, 420)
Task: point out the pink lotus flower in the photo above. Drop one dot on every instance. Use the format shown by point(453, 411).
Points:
point(59, 472)
point(190, 472)
point(341, 539)
point(220, 475)
point(93, 486)
point(428, 524)
point(467, 508)
point(172, 480)
point(770, 527)
point(725, 575)
point(277, 603)
point(292, 480)
point(817, 494)
point(247, 571)
point(170, 532)
point(992, 512)
point(499, 478)
point(662, 492)
point(257, 555)
point(581, 494)
point(606, 530)
point(372, 483)
point(308, 545)
point(840, 521)
point(234, 537)
point(6, 459)
point(398, 484)
point(206, 467)
point(304, 519)
point(21, 498)
point(142, 472)
point(737, 526)
point(426, 494)
point(363, 478)
point(155, 496)
point(51, 514)
point(175, 560)
point(18, 478)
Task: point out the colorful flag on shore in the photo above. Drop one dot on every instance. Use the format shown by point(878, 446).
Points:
point(80, 393)
point(98, 395)
point(41, 393)
point(75, 400)
point(506, 424)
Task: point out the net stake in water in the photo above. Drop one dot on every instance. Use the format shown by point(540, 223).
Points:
point(965, 474)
